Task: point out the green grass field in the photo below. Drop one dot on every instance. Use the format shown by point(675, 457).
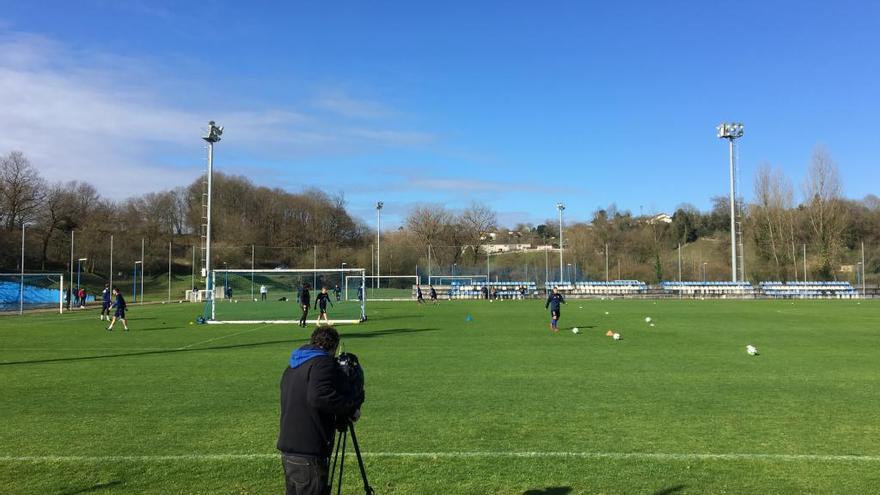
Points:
point(497, 405)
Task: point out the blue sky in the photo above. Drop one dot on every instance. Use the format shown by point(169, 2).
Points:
point(515, 104)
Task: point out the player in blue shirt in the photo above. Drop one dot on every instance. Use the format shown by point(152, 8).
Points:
point(106, 302)
point(321, 300)
point(120, 310)
point(554, 302)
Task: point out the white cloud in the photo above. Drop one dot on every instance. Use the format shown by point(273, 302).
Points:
point(98, 117)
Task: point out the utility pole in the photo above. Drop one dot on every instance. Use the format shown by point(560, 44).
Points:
point(731, 132)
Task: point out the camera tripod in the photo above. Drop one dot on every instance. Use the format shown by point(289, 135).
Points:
point(340, 442)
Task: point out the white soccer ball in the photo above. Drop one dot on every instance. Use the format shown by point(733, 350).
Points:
point(255, 299)
point(647, 319)
point(652, 324)
point(575, 330)
point(751, 350)
point(616, 336)
point(606, 312)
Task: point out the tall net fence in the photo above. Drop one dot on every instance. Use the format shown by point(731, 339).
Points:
point(31, 291)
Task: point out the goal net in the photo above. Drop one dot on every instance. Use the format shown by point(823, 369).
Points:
point(381, 287)
point(31, 291)
point(272, 296)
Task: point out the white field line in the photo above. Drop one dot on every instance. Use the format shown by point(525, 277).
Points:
point(221, 337)
point(658, 456)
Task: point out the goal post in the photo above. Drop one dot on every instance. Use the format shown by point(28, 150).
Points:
point(392, 287)
point(25, 291)
point(276, 296)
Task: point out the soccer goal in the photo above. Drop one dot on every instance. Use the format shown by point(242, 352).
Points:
point(272, 296)
point(19, 292)
point(382, 287)
point(458, 279)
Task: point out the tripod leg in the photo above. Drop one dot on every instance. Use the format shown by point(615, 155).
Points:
point(332, 472)
point(357, 450)
point(341, 464)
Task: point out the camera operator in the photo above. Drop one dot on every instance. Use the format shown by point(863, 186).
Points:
point(315, 399)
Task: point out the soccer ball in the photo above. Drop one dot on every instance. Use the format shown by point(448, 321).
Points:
point(616, 336)
point(606, 312)
point(751, 350)
point(652, 324)
point(575, 330)
point(647, 319)
point(255, 299)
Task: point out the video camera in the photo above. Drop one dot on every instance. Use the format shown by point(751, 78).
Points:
point(354, 375)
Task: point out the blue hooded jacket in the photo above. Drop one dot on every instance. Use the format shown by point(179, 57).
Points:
point(305, 353)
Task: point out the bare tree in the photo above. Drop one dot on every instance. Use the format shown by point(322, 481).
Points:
point(826, 215)
point(21, 189)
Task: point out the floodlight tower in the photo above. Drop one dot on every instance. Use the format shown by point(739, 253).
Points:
point(379, 206)
point(213, 136)
point(560, 207)
point(731, 132)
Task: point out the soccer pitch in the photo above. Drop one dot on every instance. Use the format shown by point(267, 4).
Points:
point(495, 405)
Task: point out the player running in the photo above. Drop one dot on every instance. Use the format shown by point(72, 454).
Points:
point(321, 300)
point(554, 301)
point(419, 297)
point(106, 295)
point(120, 310)
point(433, 294)
point(305, 300)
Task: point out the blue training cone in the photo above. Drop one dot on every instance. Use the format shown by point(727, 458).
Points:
point(468, 318)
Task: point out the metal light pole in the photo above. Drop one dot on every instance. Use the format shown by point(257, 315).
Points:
point(225, 279)
point(705, 270)
point(731, 132)
point(134, 283)
point(606, 261)
point(213, 136)
point(568, 267)
point(679, 262)
point(142, 269)
point(21, 288)
point(169, 272)
point(193, 278)
point(379, 206)
point(70, 281)
point(252, 271)
point(78, 269)
point(864, 294)
point(111, 262)
point(560, 207)
point(805, 262)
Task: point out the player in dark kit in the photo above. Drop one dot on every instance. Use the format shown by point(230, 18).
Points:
point(305, 299)
point(337, 292)
point(554, 301)
point(419, 298)
point(433, 294)
point(106, 302)
point(321, 301)
point(120, 310)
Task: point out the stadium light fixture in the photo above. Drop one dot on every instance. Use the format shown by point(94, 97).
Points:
point(561, 208)
point(212, 136)
point(731, 132)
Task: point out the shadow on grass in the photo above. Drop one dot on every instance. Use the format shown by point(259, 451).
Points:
point(553, 490)
point(300, 338)
point(670, 490)
point(93, 488)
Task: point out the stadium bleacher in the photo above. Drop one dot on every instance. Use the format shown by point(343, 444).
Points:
point(595, 288)
point(709, 289)
point(809, 290)
point(501, 290)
